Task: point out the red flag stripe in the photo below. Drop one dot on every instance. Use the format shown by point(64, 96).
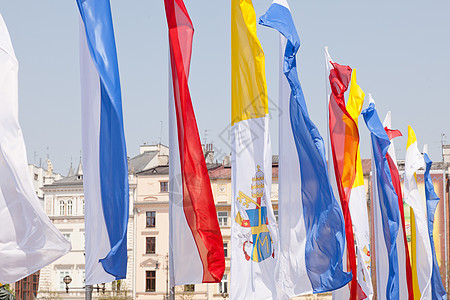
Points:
point(392, 133)
point(198, 202)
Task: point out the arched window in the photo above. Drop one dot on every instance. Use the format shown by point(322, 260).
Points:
point(62, 208)
point(69, 207)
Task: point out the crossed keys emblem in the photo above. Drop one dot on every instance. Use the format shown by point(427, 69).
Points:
point(247, 200)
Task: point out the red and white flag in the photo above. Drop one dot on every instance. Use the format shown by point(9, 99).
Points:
point(346, 159)
point(195, 242)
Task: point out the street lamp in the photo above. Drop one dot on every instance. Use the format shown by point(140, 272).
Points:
point(166, 268)
point(67, 279)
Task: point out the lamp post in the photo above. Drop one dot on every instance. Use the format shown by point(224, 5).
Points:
point(166, 269)
point(88, 288)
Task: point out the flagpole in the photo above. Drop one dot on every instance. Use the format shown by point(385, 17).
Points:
point(444, 171)
point(171, 291)
point(326, 112)
point(88, 292)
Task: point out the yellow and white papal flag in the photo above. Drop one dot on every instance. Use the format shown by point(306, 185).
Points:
point(421, 256)
point(253, 229)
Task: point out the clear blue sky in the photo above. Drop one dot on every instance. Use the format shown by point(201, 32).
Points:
point(401, 50)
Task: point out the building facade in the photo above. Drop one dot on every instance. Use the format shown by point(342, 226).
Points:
point(148, 231)
point(64, 204)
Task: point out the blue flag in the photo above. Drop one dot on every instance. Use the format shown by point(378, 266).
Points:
point(384, 199)
point(306, 196)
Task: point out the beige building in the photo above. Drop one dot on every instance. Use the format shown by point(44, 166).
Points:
point(64, 205)
point(152, 233)
point(63, 201)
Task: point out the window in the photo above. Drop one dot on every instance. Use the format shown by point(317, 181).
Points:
point(223, 285)
point(36, 176)
point(151, 218)
point(150, 245)
point(225, 249)
point(69, 207)
point(275, 212)
point(164, 186)
point(62, 208)
point(83, 206)
point(222, 216)
point(189, 287)
point(150, 281)
point(62, 285)
point(35, 281)
point(67, 236)
point(27, 287)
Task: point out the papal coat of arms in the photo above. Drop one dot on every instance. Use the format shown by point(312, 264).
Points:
point(256, 243)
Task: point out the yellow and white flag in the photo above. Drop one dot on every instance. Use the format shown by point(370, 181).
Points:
point(253, 229)
point(420, 241)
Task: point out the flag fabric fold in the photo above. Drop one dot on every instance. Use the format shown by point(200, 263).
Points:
point(344, 138)
point(28, 239)
point(386, 211)
point(105, 177)
point(404, 260)
point(195, 243)
point(253, 229)
point(437, 288)
point(310, 220)
point(421, 256)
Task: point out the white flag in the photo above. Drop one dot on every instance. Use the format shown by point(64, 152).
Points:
point(28, 239)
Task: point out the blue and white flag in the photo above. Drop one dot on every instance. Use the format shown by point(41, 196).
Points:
point(310, 219)
point(386, 209)
point(437, 288)
point(103, 143)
